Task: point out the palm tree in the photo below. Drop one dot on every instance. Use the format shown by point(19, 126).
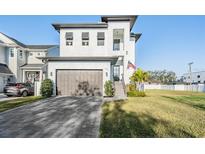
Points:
point(139, 77)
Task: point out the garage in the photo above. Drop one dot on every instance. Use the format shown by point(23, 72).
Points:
point(79, 82)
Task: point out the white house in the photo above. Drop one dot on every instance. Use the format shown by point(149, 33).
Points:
point(91, 54)
point(194, 77)
point(19, 62)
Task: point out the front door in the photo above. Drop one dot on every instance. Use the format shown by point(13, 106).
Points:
point(116, 72)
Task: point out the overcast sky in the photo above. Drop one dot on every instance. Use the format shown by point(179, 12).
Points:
point(167, 42)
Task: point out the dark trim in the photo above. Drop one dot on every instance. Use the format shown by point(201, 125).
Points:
point(131, 18)
point(79, 58)
point(58, 26)
point(136, 36)
point(41, 46)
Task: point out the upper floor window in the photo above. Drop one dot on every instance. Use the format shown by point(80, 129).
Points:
point(69, 38)
point(11, 52)
point(30, 53)
point(100, 38)
point(198, 76)
point(20, 54)
point(116, 44)
point(118, 39)
point(39, 53)
point(85, 38)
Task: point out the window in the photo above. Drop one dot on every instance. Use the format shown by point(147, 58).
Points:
point(39, 53)
point(85, 39)
point(30, 53)
point(198, 76)
point(69, 38)
point(100, 38)
point(11, 52)
point(20, 54)
point(204, 81)
point(116, 44)
point(199, 81)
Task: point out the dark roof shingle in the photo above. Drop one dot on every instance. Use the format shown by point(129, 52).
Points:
point(4, 69)
point(40, 46)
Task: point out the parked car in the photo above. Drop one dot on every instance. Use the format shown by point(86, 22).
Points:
point(19, 89)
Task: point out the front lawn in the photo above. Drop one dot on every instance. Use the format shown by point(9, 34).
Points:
point(160, 114)
point(6, 105)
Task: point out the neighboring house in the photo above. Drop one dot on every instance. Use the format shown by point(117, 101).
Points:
point(194, 77)
point(19, 62)
point(91, 54)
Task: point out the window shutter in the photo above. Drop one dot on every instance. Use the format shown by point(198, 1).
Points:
point(85, 36)
point(69, 36)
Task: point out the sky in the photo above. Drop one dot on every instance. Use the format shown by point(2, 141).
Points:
point(167, 42)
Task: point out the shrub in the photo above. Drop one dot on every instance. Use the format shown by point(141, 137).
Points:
point(136, 93)
point(131, 87)
point(46, 88)
point(109, 89)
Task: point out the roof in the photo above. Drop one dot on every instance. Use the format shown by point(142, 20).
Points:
point(14, 40)
point(4, 69)
point(32, 65)
point(136, 35)
point(28, 46)
point(79, 58)
point(57, 26)
point(131, 18)
point(40, 46)
point(1, 41)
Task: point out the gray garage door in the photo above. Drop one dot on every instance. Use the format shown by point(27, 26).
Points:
point(79, 82)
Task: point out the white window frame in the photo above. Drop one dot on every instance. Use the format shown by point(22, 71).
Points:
point(21, 54)
point(11, 52)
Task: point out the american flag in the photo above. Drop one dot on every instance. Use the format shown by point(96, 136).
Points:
point(131, 65)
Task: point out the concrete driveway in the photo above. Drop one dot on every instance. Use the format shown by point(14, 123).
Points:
point(54, 117)
point(6, 98)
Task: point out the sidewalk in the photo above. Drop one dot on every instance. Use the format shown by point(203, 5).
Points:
point(5, 98)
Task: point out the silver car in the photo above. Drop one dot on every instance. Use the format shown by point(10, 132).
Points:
point(19, 89)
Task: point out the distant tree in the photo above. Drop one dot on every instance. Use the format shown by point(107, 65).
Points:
point(163, 77)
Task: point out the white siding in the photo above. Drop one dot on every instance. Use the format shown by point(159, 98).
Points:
point(195, 78)
point(33, 60)
point(2, 55)
point(77, 50)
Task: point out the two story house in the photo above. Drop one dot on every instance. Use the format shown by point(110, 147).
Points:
point(91, 54)
point(19, 62)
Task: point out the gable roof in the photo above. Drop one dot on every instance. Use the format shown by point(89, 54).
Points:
point(4, 69)
point(14, 40)
point(40, 46)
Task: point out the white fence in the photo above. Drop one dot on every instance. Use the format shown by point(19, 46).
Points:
point(37, 86)
point(195, 88)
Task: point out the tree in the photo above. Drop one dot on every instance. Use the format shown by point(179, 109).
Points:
point(163, 77)
point(139, 77)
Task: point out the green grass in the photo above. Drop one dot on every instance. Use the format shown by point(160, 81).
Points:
point(160, 114)
point(6, 105)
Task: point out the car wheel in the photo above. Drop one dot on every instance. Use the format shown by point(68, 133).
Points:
point(24, 93)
